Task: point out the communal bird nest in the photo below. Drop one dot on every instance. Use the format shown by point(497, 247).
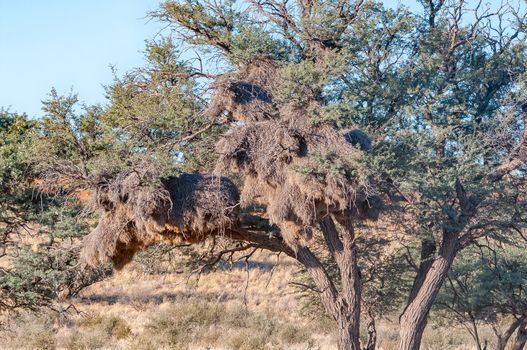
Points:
point(300, 175)
point(301, 171)
point(247, 93)
point(140, 209)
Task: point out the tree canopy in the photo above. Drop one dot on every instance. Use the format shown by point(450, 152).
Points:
point(325, 116)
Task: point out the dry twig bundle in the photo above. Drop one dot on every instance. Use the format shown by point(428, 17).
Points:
point(247, 93)
point(299, 170)
point(139, 209)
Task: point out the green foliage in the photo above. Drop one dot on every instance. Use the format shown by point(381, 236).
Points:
point(62, 219)
point(31, 279)
point(13, 132)
point(197, 16)
point(486, 283)
point(224, 26)
point(14, 153)
point(73, 145)
point(27, 284)
point(253, 41)
point(151, 117)
point(37, 279)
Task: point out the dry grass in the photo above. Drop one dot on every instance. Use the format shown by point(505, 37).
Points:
point(225, 309)
point(205, 324)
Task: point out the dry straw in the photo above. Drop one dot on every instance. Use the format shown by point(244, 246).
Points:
point(139, 209)
point(301, 171)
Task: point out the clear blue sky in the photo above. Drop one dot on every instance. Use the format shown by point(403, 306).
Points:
point(68, 44)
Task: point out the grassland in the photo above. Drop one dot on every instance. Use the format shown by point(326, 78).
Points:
point(233, 307)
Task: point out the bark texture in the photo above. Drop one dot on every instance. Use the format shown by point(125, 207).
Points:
point(521, 337)
point(413, 320)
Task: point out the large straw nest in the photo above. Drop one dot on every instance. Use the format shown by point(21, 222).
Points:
point(246, 93)
point(299, 170)
point(300, 174)
point(138, 209)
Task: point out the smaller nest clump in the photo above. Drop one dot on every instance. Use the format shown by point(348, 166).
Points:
point(300, 173)
point(248, 93)
point(139, 209)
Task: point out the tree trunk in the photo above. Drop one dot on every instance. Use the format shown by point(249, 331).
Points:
point(346, 315)
point(428, 250)
point(349, 318)
point(475, 333)
point(500, 344)
point(372, 335)
point(413, 320)
point(503, 339)
point(348, 336)
point(344, 252)
point(521, 337)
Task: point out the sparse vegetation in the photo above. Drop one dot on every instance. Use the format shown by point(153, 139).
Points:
point(113, 326)
point(207, 324)
point(382, 150)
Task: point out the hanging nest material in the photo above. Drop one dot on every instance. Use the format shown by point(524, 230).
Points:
point(300, 173)
point(139, 210)
point(247, 94)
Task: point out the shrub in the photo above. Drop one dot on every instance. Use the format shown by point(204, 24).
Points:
point(112, 326)
point(28, 331)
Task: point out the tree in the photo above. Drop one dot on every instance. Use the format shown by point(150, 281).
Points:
point(13, 131)
point(290, 86)
point(440, 92)
point(459, 120)
point(485, 284)
point(34, 278)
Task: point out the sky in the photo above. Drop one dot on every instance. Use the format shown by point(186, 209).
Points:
point(68, 45)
